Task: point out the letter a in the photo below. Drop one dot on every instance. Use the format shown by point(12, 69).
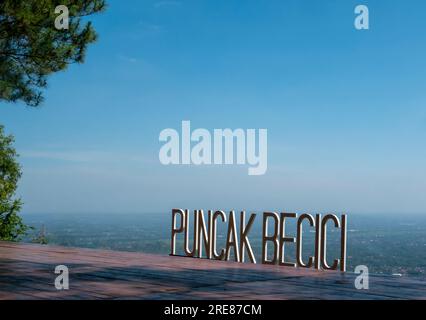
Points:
point(62, 281)
point(362, 20)
point(62, 21)
point(362, 281)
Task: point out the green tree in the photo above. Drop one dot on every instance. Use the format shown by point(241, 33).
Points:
point(31, 48)
point(11, 225)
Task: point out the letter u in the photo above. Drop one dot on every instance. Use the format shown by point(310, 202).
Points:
point(193, 252)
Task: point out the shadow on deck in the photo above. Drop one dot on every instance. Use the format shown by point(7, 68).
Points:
point(27, 272)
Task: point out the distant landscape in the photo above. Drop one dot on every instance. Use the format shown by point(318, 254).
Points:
point(386, 244)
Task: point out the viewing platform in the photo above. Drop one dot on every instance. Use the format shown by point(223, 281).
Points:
point(27, 272)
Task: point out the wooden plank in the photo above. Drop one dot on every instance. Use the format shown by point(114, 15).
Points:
point(27, 272)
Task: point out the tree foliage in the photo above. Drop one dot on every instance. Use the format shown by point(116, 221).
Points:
point(11, 225)
point(31, 48)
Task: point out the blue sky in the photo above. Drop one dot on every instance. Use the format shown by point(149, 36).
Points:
point(345, 109)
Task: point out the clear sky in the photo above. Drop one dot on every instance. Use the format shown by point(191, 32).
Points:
point(345, 109)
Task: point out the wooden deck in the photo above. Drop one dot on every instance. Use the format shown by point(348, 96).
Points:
point(27, 272)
